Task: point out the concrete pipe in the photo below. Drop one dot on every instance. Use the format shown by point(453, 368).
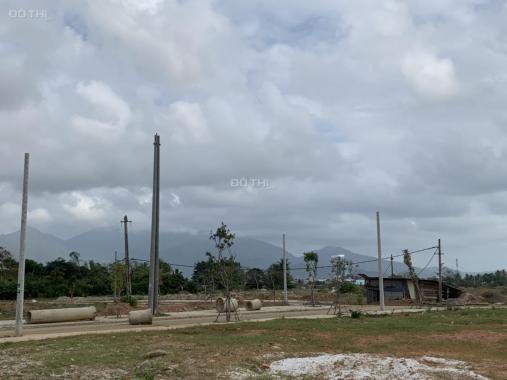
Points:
point(255, 304)
point(141, 317)
point(222, 308)
point(62, 315)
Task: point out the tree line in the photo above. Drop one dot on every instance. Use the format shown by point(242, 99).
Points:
point(477, 280)
point(218, 272)
point(73, 277)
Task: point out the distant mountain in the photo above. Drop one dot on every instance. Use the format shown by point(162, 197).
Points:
point(40, 246)
point(182, 248)
point(177, 248)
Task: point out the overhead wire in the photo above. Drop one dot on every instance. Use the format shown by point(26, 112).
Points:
point(428, 263)
point(322, 266)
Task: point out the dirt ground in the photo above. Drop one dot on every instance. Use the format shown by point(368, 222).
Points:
point(223, 351)
point(188, 302)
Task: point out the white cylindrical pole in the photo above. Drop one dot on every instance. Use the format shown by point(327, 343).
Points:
point(380, 269)
point(285, 295)
point(22, 250)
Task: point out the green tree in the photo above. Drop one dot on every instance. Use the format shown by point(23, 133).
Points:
point(340, 268)
point(205, 275)
point(118, 278)
point(274, 276)
point(311, 259)
point(172, 282)
point(140, 278)
point(255, 278)
point(225, 262)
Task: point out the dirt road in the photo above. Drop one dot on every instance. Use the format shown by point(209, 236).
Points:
point(176, 320)
point(104, 325)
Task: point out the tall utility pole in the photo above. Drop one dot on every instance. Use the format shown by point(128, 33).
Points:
point(439, 271)
point(115, 280)
point(155, 217)
point(22, 250)
point(125, 222)
point(285, 295)
point(392, 267)
point(380, 270)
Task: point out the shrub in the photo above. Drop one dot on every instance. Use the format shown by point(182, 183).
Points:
point(130, 300)
point(347, 287)
point(356, 314)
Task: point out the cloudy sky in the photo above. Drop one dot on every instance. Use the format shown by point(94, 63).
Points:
point(328, 110)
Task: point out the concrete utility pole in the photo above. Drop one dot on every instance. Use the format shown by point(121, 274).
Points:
point(439, 271)
point(380, 270)
point(22, 250)
point(125, 222)
point(114, 277)
point(154, 251)
point(285, 295)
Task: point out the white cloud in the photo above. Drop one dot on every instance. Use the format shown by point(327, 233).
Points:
point(315, 96)
point(175, 200)
point(84, 207)
point(10, 217)
point(186, 123)
point(430, 76)
point(114, 111)
point(39, 215)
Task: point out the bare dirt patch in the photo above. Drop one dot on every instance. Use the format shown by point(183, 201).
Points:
point(189, 306)
point(482, 336)
point(365, 342)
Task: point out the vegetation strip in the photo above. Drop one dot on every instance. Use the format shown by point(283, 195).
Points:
point(478, 337)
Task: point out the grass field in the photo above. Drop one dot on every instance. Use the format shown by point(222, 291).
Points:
point(476, 336)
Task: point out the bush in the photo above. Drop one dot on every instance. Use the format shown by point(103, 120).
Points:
point(356, 314)
point(8, 290)
point(492, 296)
point(347, 287)
point(130, 300)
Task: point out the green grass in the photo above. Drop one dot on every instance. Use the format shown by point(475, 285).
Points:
point(476, 336)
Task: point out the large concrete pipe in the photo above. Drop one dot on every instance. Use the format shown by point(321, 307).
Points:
point(255, 304)
point(141, 317)
point(62, 315)
point(222, 307)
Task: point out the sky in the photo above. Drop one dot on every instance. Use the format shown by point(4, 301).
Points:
point(297, 117)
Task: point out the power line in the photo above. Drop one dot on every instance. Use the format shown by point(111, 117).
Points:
point(304, 268)
point(428, 263)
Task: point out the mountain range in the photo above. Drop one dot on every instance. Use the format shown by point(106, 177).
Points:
point(183, 249)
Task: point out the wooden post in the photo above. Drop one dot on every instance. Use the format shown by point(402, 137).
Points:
point(22, 251)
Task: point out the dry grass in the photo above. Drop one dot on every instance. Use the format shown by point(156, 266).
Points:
point(475, 336)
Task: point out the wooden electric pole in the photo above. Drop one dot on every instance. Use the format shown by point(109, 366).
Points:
point(128, 277)
point(392, 267)
point(22, 251)
point(439, 271)
point(155, 217)
point(285, 295)
point(380, 270)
